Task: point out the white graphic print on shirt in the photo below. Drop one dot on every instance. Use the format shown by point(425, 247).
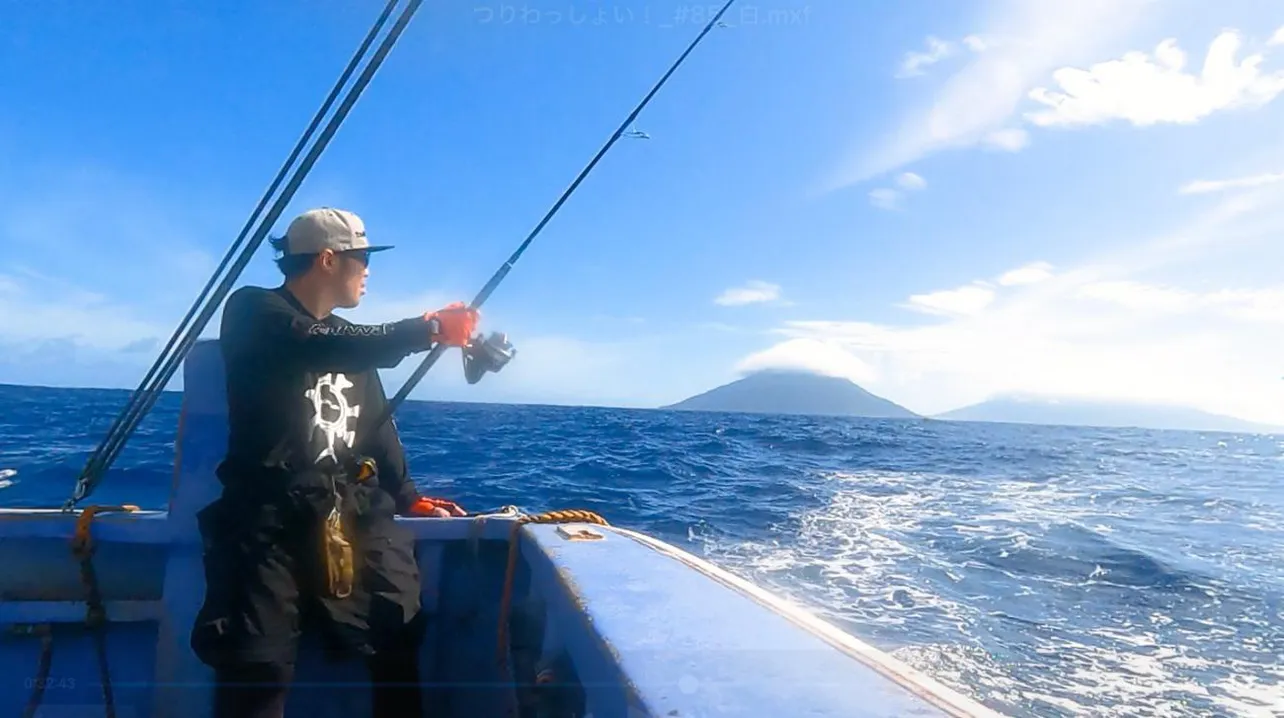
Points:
point(331, 413)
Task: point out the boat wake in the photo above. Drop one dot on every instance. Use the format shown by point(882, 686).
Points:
point(984, 587)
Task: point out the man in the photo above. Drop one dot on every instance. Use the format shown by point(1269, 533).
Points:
point(304, 530)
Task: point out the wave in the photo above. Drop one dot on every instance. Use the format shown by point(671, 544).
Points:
point(1045, 571)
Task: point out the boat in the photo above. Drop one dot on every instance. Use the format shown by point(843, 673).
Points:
point(590, 620)
point(554, 615)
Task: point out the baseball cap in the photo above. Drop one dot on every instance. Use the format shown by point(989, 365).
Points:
point(327, 228)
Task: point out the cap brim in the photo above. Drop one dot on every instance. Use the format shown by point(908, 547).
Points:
point(379, 248)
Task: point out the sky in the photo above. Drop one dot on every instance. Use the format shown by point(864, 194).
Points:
point(945, 202)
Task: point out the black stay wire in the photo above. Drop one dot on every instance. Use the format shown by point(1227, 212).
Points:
point(507, 266)
point(145, 396)
point(97, 464)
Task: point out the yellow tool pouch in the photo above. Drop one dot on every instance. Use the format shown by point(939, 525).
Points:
point(337, 557)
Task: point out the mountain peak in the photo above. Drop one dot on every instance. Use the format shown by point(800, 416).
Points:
point(793, 391)
point(1073, 411)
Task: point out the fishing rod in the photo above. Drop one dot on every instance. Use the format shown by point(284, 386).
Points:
point(507, 266)
point(130, 414)
point(145, 397)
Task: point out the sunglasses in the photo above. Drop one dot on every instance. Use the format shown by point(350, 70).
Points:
point(361, 255)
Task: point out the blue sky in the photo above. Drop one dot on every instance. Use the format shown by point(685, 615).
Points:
point(942, 201)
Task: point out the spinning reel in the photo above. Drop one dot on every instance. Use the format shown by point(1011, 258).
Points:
point(489, 354)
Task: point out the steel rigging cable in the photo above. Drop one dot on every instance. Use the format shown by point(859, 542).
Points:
point(146, 394)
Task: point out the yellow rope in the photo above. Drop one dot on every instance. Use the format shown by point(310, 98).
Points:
point(82, 540)
point(565, 516)
point(82, 546)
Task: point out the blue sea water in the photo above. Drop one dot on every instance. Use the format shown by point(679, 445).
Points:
point(1045, 571)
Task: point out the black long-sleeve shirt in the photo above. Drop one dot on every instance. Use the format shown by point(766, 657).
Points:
point(303, 393)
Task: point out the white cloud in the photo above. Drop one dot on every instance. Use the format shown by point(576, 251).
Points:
point(1102, 329)
point(1137, 296)
point(1261, 306)
point(891, 199)
point(1146, 90)
point(98, 261)
point(1032, 273)
point(548, 369)
point(914, 62)
point(1025, 41)
point(911, 182)
point(1277, 38)
point(884, 198)
point(558, 369)
point(753, 292)
point(937, 50)
point(48, 310)
point(1010, 140)
point(1206, 186)
point(963, 301)
point(55, 334)
point(809, 354)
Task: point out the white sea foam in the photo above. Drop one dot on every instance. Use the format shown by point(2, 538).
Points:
point(969, 585)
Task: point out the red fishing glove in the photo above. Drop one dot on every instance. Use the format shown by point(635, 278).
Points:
point(441, 508)
point(453, 324)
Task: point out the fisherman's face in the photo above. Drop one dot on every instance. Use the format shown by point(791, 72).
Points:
point(349, 271)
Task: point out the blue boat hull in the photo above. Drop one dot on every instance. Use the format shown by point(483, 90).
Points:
point(604, 622)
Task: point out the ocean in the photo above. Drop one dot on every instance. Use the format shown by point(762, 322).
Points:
point(1045, 571)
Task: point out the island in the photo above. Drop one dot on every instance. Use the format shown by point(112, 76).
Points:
point(1050, 411)
point(777, 391)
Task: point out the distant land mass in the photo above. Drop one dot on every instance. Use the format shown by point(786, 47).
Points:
point(1080, 412)
point(794, 392)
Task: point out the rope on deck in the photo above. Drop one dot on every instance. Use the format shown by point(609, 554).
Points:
point(564, 516)
point(42, 673)
point(82, 547)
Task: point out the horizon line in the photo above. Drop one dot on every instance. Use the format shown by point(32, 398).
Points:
point(1267, 428)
